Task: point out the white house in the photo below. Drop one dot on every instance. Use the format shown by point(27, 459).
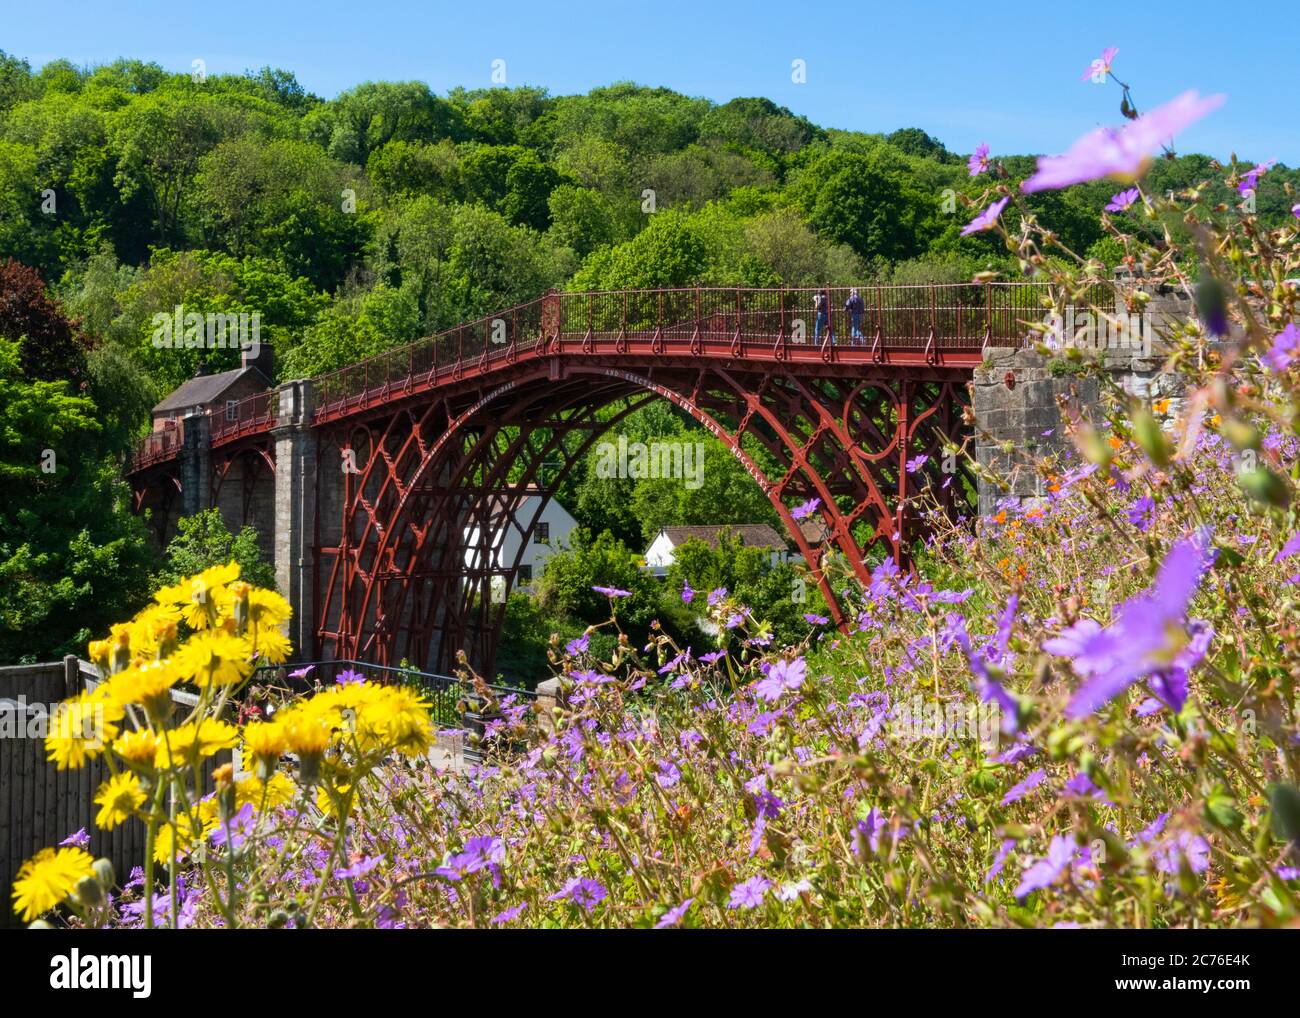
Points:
point(506, 538)
point(661, 553)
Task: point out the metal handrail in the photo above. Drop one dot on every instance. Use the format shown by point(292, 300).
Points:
point(935, 317)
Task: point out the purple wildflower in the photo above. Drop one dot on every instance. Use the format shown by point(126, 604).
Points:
point(1000, 859)
point(1290, 548)
point(674, 916)
point(1123, 200)
point(1020, 751)
point(792, 889)
point(301, 673)
point(478, 854)
point(348, 676)
point(1137, 642)
point(1083, 787)
point(669, 774)
point(916, 463)
point(815, 620)
point(802, 512)
point(781, 676)
point(239, 827)
point(1184, 845)
point(749, 894)
point(1122, 152)
point(1170, 684)
point(716, 595)
point(1142, 512)
point(979, 162)
point(510, 914)
point(986, 219)
point(1101, 66)
point(1018, 792)
point(359, 868)
point(1284, 349)
point(582, 891)
point(1251, 180)
point(1043, 872)
point(688, 595)
point(579, 646)
point(612, 591)
point(79, 840)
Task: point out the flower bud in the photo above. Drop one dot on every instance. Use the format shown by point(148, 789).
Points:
point(103, 870)
point(120, 658)
point(88, 892)
point(240, 608)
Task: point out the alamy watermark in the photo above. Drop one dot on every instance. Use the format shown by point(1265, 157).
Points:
point(191, 330)
point(1084, 330)
point(636, 460)
point(957, 720)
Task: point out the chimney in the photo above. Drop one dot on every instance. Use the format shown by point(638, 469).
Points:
point(264, 361)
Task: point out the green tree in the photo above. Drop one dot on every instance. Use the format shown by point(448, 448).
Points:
point(203, 540)
point(73, 558)
point(565, 587)
point(371, 115)
point(669, 252)
point(774, 590)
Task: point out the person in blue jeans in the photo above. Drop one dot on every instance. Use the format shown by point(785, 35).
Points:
point(854, 307)
point(822, 305)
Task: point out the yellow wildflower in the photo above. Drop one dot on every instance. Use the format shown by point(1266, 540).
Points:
point(191, 742)
point(273, 645)
point(215, 657)
point(277, 790)
point(47, 878)
point(80, 728)
point(267, 608)
point(265, 742)
point(147, 684)
point(137, 748)
point(117, 798)
point(185, 831)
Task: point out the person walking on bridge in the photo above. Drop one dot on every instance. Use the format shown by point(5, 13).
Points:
point(854, 307)
point(821, 305)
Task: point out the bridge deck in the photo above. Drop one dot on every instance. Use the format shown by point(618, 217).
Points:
point(907, 328)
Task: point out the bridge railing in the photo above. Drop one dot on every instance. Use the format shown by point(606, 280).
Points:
point(158, 445)
point(954, 316)
point(945, 316)
point(491, 338)
point(252, 413)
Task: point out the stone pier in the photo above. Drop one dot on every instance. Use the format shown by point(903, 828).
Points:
point(295, 512)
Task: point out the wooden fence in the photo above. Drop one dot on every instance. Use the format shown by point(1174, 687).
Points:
point(40, 805)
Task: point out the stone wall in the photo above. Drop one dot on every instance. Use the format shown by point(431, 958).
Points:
point(1015, 394)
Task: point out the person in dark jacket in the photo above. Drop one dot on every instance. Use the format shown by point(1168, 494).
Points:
point(854, 307)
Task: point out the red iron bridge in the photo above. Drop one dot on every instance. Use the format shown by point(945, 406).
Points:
point(383, 490)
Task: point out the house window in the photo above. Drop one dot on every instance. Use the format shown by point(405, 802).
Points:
point(526, 572)
point(232, 409)
point(542, 533)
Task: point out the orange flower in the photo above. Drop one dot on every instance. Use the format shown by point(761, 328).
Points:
point(1115, 441)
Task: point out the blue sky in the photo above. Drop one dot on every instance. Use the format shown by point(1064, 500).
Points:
point(956, 69)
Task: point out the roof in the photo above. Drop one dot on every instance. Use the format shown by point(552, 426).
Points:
point(814, 531)
point(206, 389)
point(753, 535)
